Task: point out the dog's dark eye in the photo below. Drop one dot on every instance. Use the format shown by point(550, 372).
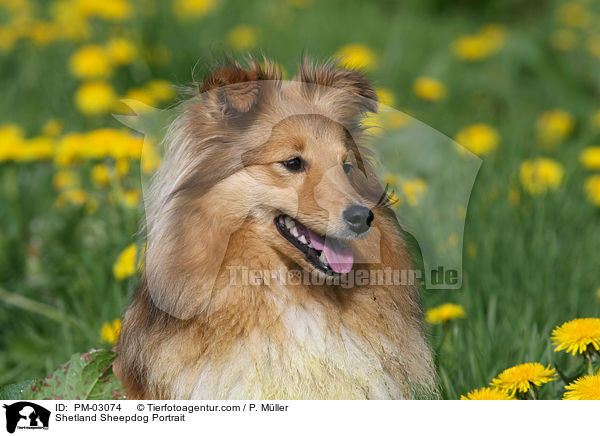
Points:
point(295, 164)
point(347, 166)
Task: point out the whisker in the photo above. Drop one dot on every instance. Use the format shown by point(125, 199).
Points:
point(385, 200)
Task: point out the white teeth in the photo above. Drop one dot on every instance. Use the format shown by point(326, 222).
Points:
point(323, 259)
point(290, 224)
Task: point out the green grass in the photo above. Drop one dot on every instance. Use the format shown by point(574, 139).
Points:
point(536, 264)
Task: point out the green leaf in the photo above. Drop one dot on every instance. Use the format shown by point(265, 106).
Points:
point(15, 391)
point(86, 376)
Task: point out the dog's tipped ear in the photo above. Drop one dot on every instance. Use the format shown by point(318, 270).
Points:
point(233, 89)
point(360, 90)
point(357, 83)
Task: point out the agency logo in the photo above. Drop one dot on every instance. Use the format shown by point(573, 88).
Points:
point(26, 415)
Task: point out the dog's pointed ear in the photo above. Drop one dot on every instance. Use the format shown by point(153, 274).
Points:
point(232, 89)
point(356, 92)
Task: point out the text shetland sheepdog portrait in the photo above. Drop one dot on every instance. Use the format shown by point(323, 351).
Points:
point(265, 175)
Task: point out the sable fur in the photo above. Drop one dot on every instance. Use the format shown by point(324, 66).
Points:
point(189, 334)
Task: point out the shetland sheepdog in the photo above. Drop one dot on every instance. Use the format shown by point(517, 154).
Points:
point(265, 203)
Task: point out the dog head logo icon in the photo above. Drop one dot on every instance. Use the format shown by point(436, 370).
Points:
point(24, 414)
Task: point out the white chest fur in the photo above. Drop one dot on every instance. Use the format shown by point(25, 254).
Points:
point(315, 361)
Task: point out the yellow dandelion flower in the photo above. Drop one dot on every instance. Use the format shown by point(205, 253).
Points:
point(110, 331)
point(40, 148)
point(385, 96)
point(553, 126)
point(563, 39)
point(591, 188)
point(141, 100)
point(481, 45)
point(11, 140)
point(413, 190)
point(111, 10)
point(150, 159)
point(187, 9)
point(121, 51)
point(540, 175)
point(72, 147)
point(356, 57)
point(100, 174)
point(444, 313)
point(243, 37)
point(429, 89)
point(95, 98)
point(487, 394)
point(520, 378)
point(471, 48)
point(125, 265)
point(577, 336)
point(584, 388)
point(131, 198)
point(590, 158)
point(573, 14)
point(478, 138)
point(76, 196)
point(64, 180)
point(161, 90)
point(132, 149)
point(90, 62)
point(142, 95)
point(53, 127)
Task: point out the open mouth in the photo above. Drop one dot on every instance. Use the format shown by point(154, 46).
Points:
point(326, 254)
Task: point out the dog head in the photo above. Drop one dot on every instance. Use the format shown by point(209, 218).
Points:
point(280, 159)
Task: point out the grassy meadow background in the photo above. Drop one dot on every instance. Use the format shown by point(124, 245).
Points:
point(525, 74)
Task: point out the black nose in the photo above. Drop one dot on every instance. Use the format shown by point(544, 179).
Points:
point(358, 218)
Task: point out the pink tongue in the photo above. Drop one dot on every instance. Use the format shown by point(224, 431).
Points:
point(339, 257)
point(316, 240)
